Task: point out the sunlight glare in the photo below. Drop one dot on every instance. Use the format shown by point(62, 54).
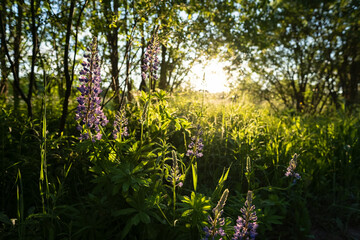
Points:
point(215, 76)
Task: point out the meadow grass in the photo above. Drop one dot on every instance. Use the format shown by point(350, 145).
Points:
point(146, 186)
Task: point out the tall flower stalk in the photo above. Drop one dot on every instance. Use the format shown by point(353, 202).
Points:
point(120, 125)
point(217, 222)
point(246, 225)
point(175, 178)
point(290, 171)
point(196, 146)
point(195, 151)
point(149, 72)
point(151, 62)
point(89, 113)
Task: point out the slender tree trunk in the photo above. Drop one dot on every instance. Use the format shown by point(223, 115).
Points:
point(33, 28)
point(127, 79)
point(348, 81)
point(127, 53)
point(15, 65)
point(354, 76)
point(143, 47)
point(66, 68)
point(4, 76)
point(112, 37)
point(354, 82)
point(114, 56)
point(300, 100)
point(164, 65)
point(163, 68)
point(334, 99)
point(17, 42)
point(349, 74)
point(57, 63)
point(4, 70)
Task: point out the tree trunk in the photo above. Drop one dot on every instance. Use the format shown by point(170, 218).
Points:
point(57, 65)
point(143, 47)
point(351, 97)
point(127, 54)
point(114, 55)
point(349, 75)
point(4, 70)
point(17, 42)
point(351, 94)
point(33, 28)
point(66, 68)
point(14, 65)
point(163, 69)
point(112, 37)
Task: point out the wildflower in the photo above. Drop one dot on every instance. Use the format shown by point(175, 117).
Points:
point(151, 61)
point(89, 111)
point(290, 171)
point(217, 223)
point(196, 145)
point(120, 125)
point(175, 175)
point(246, 225)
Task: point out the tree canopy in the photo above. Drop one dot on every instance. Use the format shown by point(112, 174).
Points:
point(304, 54)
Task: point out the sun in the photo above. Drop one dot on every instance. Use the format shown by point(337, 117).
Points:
point(210, 76)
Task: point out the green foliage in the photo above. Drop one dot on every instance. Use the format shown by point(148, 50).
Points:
point(295, 52)
point(126, 188)
point(195, 210)
point(144, 186)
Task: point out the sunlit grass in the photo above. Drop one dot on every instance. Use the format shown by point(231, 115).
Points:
point(247, 146)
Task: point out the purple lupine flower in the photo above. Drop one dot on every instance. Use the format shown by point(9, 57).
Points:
point(151, 61)
point(196, 146)
point(290, 171)
point(120, 125)
point(175, 174)
point(216, 224)
point(89, 112)
point(246, 225)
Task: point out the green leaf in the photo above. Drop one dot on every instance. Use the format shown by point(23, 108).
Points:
point(187, 213)
point(125, 187)
point(194, 174)
point(5, 219)
point(186, 199)
point(135, 219)
point(125, 211)
point(126, 229)
point(177, 125)
point(218, 189)
point(144, 218)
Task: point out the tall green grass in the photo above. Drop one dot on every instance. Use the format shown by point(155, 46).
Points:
point(120, 189)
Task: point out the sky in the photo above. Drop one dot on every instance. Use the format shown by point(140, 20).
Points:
point(215, 76)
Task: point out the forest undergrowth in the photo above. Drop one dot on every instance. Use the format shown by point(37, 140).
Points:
point(167, 173)
point(190, 165)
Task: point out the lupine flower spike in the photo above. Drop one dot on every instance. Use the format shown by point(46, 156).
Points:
point(175, 174)
point(196, 146)
point(151, 61)
point(290, 172)
point(120, 125)
point(89, 111)
point(246, 225)
point(217, 223)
